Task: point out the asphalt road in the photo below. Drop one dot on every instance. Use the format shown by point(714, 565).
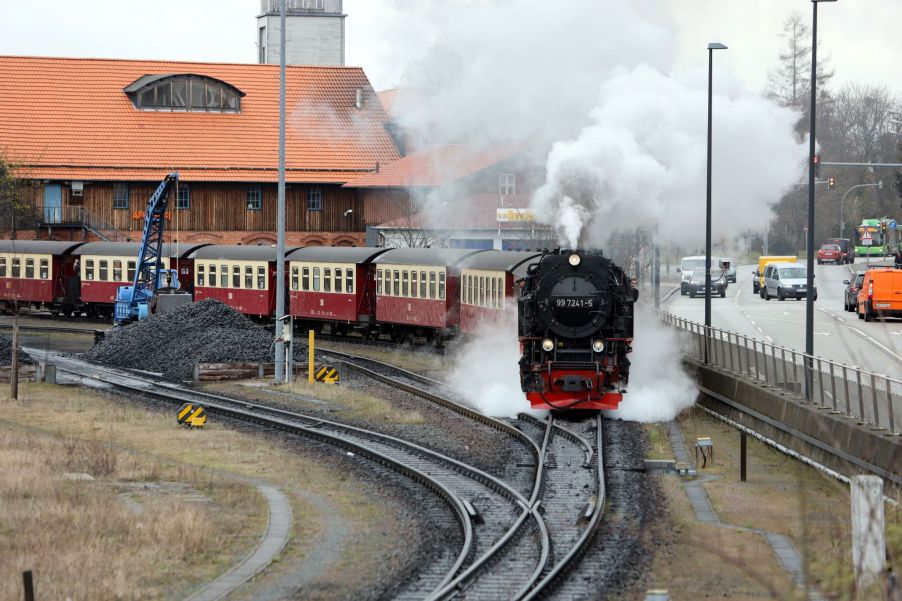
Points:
point(838, 335)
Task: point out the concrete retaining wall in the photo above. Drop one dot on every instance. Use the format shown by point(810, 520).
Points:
point(833, 440)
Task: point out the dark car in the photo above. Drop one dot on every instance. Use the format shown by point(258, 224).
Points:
point(850, 299)
point(845, 247)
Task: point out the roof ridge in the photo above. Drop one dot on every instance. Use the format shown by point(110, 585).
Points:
point(172, 62)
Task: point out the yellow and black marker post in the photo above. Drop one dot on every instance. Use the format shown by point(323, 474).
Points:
point(327, 374)
point(192, 416)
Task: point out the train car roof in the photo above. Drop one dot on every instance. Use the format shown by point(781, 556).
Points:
point(425, 256)
point(125, 249)
point(336, 254)
point(237, 252)
point(499, 260)
point(38, 247)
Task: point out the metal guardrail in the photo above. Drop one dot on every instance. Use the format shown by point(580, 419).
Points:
point(269, 7)
point(870, 398)
point(80, 217)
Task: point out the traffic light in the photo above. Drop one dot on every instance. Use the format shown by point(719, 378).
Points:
point(817, 165)
point(831, 182)
point(883, 226)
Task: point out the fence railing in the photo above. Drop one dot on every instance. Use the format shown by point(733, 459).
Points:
point(78, 217)
point(870, 398)
point(269, 7)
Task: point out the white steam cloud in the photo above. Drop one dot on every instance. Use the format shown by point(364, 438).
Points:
point(659, 389)
point(486, 374)
point(642, 161)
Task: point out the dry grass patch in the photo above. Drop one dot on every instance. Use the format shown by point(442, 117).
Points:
point(95, 522)
point(788, 497)
point(704, 561)
point(97, 434)
point(425, 363)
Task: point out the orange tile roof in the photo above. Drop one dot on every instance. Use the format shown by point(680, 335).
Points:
point(437, 166)
point(69, 118)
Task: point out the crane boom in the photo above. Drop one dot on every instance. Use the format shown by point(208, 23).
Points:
point(149, 268)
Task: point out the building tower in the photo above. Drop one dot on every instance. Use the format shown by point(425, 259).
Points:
point(315, 32)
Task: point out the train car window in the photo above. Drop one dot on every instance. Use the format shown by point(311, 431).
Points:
point(316, 279)
point(441, 285)
point(432, 284)
point(29, 268)
point(349, 280)
point(397, 288)
point(422, 284)
point(104, 270)
point(200, 274)
point(89, 269)
point(337, 287)
point(494, 293)
point(249, 277)
point(414, 284)
point(294, 278)
point(500, 293)
point(130, 268)
point(223, 276)
point(327, 279)
point(378, 281)
point(2, 267)
point(404, 289)
point(481, 301)
point(117, 271)
point(463, 289)
point(236, 276)
point(261, 278)
point(45, 269)
point(213, 276)
point(305, 278)
point(17, 270)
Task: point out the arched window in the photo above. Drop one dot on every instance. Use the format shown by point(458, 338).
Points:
point(184, 92)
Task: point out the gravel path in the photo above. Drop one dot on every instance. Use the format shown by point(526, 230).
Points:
point(6, 352)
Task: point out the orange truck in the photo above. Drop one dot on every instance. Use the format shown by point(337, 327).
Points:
point(881, 294)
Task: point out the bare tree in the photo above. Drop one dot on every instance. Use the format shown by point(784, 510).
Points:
point(862, 122)
point(411, 229)
point(15, 211)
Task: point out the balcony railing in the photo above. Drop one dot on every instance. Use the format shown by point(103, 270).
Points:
point(78, 217)
point(294, 7)
point(867, 397)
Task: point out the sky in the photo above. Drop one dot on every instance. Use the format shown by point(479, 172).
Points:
point(860, 37)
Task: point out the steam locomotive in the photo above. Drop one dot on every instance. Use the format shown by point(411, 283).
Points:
point(575, 320)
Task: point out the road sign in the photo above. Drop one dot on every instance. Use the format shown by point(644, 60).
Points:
point(892, 224)
point(327, 374)
point(866, 239)
point(192, 416)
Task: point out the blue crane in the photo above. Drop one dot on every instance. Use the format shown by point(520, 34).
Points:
point(134, 302)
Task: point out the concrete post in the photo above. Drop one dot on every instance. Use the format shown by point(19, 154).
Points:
point(868, 538)
point(49, 376)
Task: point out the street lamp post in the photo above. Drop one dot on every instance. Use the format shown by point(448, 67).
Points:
point(842, 222)
point(711, 48)
point(809, 246)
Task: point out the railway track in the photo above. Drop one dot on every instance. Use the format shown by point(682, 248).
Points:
point(568, 489)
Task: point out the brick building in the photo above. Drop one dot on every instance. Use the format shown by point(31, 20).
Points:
point(94, 137)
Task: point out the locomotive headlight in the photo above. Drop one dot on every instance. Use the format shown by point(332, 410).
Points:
point(598, 346)
point(548, 345)
point(574, 259)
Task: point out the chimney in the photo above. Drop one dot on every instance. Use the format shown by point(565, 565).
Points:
point(377, 166)
point(358, 99)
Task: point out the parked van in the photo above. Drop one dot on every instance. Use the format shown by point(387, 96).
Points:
point(881, 294)
point(758, 281)
point(786, 280)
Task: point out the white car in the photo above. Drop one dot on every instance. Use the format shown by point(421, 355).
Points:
point(786, 280)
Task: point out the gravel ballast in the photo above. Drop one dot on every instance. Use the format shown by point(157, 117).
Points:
point(6, 352)
point(170, 343)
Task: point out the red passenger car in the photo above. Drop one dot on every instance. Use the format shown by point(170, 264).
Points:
point(36, 274)
point(105, 266)
point(243, 277)
point(417, 292)
point(487, 288)
point(333, 286)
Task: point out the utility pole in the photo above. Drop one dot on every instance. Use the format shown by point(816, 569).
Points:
point(280, 245)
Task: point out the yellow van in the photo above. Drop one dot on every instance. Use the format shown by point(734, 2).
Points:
point(758, 281)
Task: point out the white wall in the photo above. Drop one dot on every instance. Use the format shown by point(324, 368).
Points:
point(310, 40)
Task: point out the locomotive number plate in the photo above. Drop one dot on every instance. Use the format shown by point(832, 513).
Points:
point(575, 302)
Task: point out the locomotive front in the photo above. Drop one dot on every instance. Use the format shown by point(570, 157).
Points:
point(575, 314)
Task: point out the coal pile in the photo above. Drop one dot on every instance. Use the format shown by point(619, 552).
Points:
point(6, 352)
point(170, 343)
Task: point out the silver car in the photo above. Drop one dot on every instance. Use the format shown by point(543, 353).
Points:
point(786, 280)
